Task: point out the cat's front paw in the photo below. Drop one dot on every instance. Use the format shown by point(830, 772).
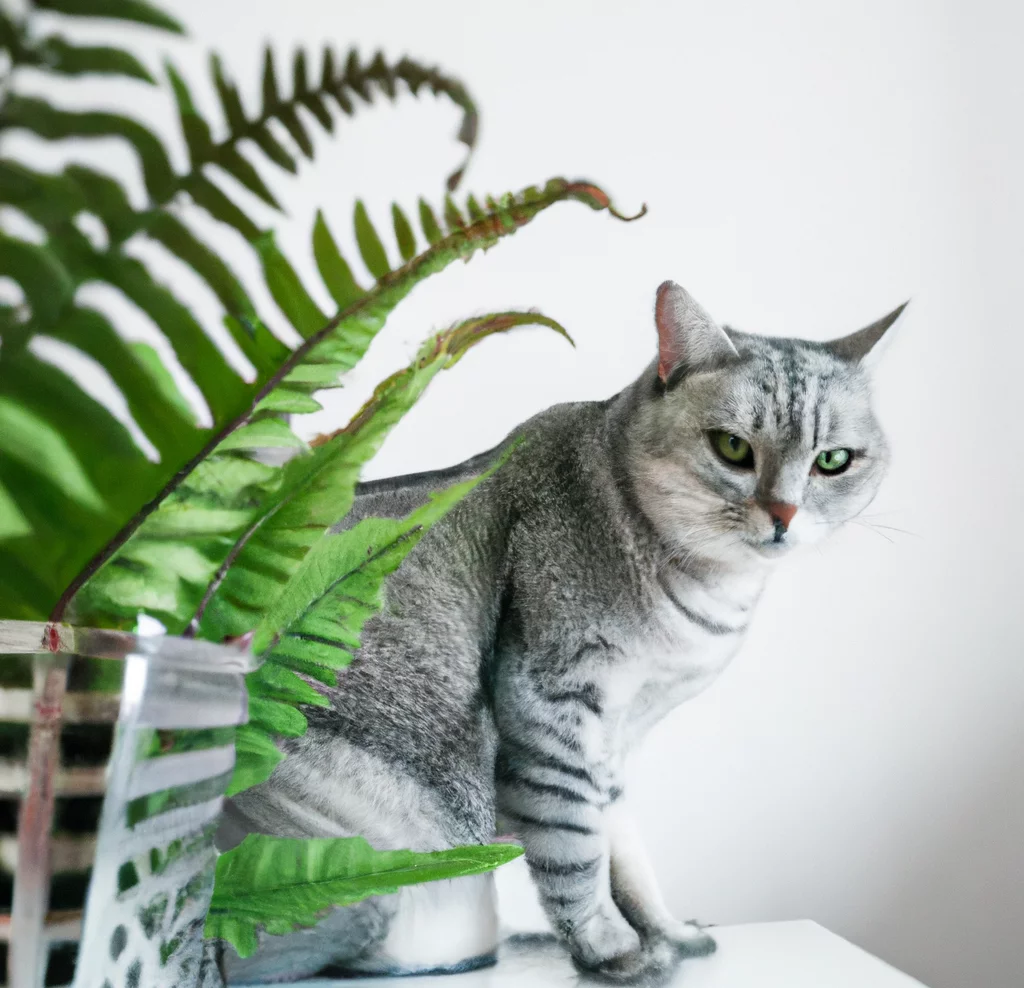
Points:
point(649, 965)
point(690, 939)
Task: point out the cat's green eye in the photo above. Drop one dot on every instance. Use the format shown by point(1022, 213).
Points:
point(833, 460)
point(733, 449)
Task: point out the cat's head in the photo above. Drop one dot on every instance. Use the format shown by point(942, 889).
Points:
point(745, 446)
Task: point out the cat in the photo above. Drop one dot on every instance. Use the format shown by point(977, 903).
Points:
point(604, 574)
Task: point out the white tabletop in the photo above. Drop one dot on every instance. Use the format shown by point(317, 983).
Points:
point(797, 954)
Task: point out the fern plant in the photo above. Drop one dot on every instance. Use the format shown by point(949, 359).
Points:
point(210, 540)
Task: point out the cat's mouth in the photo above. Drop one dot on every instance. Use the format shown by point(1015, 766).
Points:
point(771, 548)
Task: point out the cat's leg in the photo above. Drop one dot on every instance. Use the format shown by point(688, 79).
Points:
point(635, 889)
point(557, 806)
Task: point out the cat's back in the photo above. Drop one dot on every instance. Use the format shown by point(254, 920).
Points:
point(412, 706)
point(547, 473)
point(544, 452)
point(540, 510)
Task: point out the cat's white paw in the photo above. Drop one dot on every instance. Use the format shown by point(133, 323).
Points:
point(650, 965)
point(601, 937)
point(690, 939)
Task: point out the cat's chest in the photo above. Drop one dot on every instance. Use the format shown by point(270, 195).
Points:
point(690, 634)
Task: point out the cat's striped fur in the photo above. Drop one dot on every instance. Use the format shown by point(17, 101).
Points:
point(605, 574)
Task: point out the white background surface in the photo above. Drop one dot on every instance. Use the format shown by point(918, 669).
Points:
point(761, 955)
point(808, 165)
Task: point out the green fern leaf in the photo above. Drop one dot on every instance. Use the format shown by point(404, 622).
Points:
point(209, 197)
point(64, 58)
point(233, 162)
point(114, 466)
point(183, 243)
point(287, 289)
point(317, 105)
point(264, 434)
point(47, 284)
point(288, 401)
point(223, 390)
point(473, 208)
point(44, 120)
point(150, 392)
point(159, 382)
point(20, 588)
point(452, 217)
point(54, 201)
point(271, 96)
point(124, 10)
point(300, 82)
point(380, 72)
point(13, 523)
point(274, 717)
point(415, 75)
point(334, 270)
point(279, 884)
point(43, 450)
point(403, 233)
point(354, 78)
point(230, 101)
point(272, 148)
point(276, 682)
point(103, 196)
point(255, 752)
point(287, 114)
point(370, 246)
point(431, 228)
point(194, 128)
point(328, 82)
point(48, 199)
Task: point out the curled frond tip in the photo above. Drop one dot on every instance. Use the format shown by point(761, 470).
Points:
point(599, 199)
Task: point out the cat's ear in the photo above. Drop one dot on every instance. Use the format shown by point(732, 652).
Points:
point(866, 345)
point(688, 338)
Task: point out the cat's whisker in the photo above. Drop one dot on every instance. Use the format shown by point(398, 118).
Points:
point(893, 528)
point(873, 528)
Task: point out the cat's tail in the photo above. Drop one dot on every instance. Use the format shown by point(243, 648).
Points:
point(440, 927)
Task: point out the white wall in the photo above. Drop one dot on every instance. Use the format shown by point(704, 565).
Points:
point(807, 165)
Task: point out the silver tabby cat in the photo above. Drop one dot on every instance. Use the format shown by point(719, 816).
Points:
point(604, 575)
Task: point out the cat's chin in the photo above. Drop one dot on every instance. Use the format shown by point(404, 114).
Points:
point(770, 549)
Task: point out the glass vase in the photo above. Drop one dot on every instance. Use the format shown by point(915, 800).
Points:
point(115, 753)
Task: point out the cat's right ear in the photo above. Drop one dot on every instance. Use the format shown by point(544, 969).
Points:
point(688, 338)
point(866, 345)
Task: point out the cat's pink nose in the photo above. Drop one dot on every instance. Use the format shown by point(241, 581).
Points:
point(781, 512)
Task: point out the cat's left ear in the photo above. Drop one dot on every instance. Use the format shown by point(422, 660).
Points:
point(688, 338)
point(866, 345)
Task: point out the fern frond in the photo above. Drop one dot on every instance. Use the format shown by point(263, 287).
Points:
point(286, 381)
point(248, 526)
point(314, 625)
point(237, 534)
point(53, 201)
point(49, 275)
point(317, 490)
point(354, 79)
point(279, 884)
